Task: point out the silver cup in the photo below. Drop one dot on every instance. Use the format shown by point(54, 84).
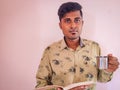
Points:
point(102, 62)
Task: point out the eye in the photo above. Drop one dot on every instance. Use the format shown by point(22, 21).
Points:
point(67, 20)
point(77, 20)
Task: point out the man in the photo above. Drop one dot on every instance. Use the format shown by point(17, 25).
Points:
point(72, 59)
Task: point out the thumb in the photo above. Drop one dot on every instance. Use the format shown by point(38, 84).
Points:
point(110, 55)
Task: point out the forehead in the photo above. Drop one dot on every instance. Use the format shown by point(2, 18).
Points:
point(72, 14)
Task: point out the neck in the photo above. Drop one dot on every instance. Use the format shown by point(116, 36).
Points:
point(72, 43)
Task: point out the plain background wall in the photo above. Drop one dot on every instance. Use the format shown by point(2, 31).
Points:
point(28, 26)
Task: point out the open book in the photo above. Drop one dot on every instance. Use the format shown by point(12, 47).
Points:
point(51, 87)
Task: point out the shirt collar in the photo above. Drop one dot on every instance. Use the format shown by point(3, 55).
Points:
point(64, 45)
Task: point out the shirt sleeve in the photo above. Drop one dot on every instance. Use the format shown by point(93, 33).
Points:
point(103, 76)
point(44, 72)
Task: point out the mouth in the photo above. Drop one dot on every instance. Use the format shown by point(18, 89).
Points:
point(73, 32)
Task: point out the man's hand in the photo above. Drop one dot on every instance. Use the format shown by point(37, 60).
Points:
point(113, 63)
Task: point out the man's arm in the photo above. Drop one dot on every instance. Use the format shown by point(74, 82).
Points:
point(113, 64)
point(103, 75)
point(44, 72)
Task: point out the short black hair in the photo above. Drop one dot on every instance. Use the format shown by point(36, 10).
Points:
point(68, 7)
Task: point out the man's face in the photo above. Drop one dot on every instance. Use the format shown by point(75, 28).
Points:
point(71, 25)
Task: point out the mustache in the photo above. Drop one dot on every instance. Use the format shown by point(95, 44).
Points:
point(73, 30)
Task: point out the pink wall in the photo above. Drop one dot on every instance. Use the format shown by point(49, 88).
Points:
point(28, 26)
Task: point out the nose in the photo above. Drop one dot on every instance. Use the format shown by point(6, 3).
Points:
point(73, 25)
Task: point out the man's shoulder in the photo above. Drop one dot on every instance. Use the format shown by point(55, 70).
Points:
point(55, 44)
point(89, 42)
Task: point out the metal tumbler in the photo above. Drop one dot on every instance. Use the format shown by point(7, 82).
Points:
point(102, 62)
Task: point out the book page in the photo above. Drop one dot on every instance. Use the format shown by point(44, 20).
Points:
point(79, 84)
point(50, 87)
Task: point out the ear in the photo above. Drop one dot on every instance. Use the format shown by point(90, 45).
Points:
point(60, 25)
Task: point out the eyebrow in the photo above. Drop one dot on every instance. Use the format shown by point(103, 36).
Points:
point(65, 19)
point(78, 18)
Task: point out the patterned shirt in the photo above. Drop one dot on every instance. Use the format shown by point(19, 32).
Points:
point(61, 65)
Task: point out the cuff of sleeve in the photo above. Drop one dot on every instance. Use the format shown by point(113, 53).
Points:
point(108, 73)
point(104, 76)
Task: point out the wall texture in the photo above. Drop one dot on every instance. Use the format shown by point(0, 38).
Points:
point(28, 26)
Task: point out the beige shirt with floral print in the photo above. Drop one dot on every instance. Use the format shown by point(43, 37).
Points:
point(61, 65)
